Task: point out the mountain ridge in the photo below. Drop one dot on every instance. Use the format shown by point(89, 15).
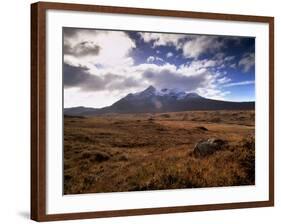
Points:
point(152, 100)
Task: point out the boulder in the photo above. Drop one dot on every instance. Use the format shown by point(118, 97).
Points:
point(208, 147)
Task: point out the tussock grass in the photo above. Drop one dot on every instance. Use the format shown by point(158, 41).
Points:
point(132, 152)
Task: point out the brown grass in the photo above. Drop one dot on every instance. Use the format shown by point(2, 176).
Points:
point(115, 153)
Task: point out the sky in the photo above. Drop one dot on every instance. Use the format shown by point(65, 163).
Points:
point(102, 66)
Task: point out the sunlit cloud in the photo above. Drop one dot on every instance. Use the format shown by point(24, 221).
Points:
point(112, 64)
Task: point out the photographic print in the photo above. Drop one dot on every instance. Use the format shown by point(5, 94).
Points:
point(157, 111)
point(145, 111)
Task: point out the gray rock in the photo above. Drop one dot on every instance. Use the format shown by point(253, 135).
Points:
point(208, 147)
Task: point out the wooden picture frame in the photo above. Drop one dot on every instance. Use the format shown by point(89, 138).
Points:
point(38, 110)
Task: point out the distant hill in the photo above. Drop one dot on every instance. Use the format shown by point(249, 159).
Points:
point(152, 100)
point(79, 111)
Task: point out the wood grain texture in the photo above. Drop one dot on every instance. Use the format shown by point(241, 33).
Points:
point(34, 118)
point(38, 109)
point(38, 113)
point(271, 111)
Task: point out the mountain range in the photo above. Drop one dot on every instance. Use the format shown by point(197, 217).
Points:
point(152, 100)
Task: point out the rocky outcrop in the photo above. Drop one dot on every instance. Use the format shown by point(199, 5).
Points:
point(208, 147)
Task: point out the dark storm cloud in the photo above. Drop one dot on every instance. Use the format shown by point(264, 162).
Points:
point(81, 78)
point(69, 32)
point(120, 83)
point(164, 78)
point(168, 79)
point(74, 76)
point(82, 48)
point(85, 48)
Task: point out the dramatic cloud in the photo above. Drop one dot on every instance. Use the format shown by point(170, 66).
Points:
point(165, 77)
point(74, 76)
point(82, 49)
point(192, 46)
point(100, 67)
point(87, 47)
point(80, 77)
point(201, 44)
point(162, 39)
point(247, 62)
point(192, 77)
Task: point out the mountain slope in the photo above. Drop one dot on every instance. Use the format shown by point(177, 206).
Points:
point(166, 100)
point(80, 111)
